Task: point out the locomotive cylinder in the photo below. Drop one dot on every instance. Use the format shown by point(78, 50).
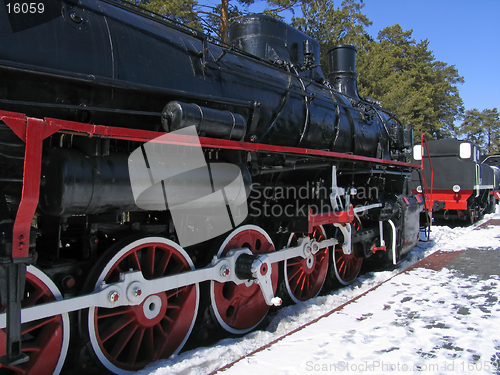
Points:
point(209, 122)
point(75, 184)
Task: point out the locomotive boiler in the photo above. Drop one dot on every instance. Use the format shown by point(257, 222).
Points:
point(310, 179)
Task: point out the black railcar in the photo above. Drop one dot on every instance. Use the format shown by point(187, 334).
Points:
point(465, 184)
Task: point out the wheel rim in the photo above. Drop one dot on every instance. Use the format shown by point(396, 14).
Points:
point(127, 338)
point(472, 215)
point(45, 341)
point(240, 308)
point(304, 277)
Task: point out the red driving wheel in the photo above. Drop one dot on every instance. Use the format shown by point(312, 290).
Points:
point(304, 277)
point(240, 308)
point(46, 340)
point(127, 338)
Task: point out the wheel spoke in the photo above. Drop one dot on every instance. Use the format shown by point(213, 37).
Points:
point(135, 345)
point(178, 268)
point(107, 313)
point(162, 266)
point(150, 257)
point(168, 320)
point(116, 327)
point(117, 269)
point(122, 341)
point(31, 326)
point(295, 272)
point(173, 293)
point(174, 307)
point(160, 331)
point(134, 259)
point(294, 261)
point(149, 340)
point(301, 281)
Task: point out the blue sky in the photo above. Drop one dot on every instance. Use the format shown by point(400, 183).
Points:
point(463, 33)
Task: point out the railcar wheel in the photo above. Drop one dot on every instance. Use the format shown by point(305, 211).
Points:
point(473, 215)
point(45, 341)
point(125, 339)
point(346, 266)
point(240, 308)
point(304, 277)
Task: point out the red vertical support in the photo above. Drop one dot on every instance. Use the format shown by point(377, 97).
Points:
point(429, 199)
point(31, 187)
point(32, 131)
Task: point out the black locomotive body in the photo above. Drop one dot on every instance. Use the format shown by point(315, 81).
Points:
point(103, 64)
point(90, 89)
point(460, 183)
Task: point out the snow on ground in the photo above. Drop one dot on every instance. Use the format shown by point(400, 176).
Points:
point(437, 325)
point(420, 321)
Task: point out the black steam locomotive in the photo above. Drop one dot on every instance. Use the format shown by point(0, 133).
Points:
point(460, 184)
point(91, 93)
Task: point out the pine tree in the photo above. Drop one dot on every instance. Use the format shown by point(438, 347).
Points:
point(472, 126)
point(404, 75)
point(182, 11)
point(332, 26)
point(482, 129)
point(491, 124)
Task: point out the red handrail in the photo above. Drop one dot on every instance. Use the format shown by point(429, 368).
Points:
point(428, 198)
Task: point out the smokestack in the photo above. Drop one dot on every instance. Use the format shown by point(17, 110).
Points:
point(342, 65)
